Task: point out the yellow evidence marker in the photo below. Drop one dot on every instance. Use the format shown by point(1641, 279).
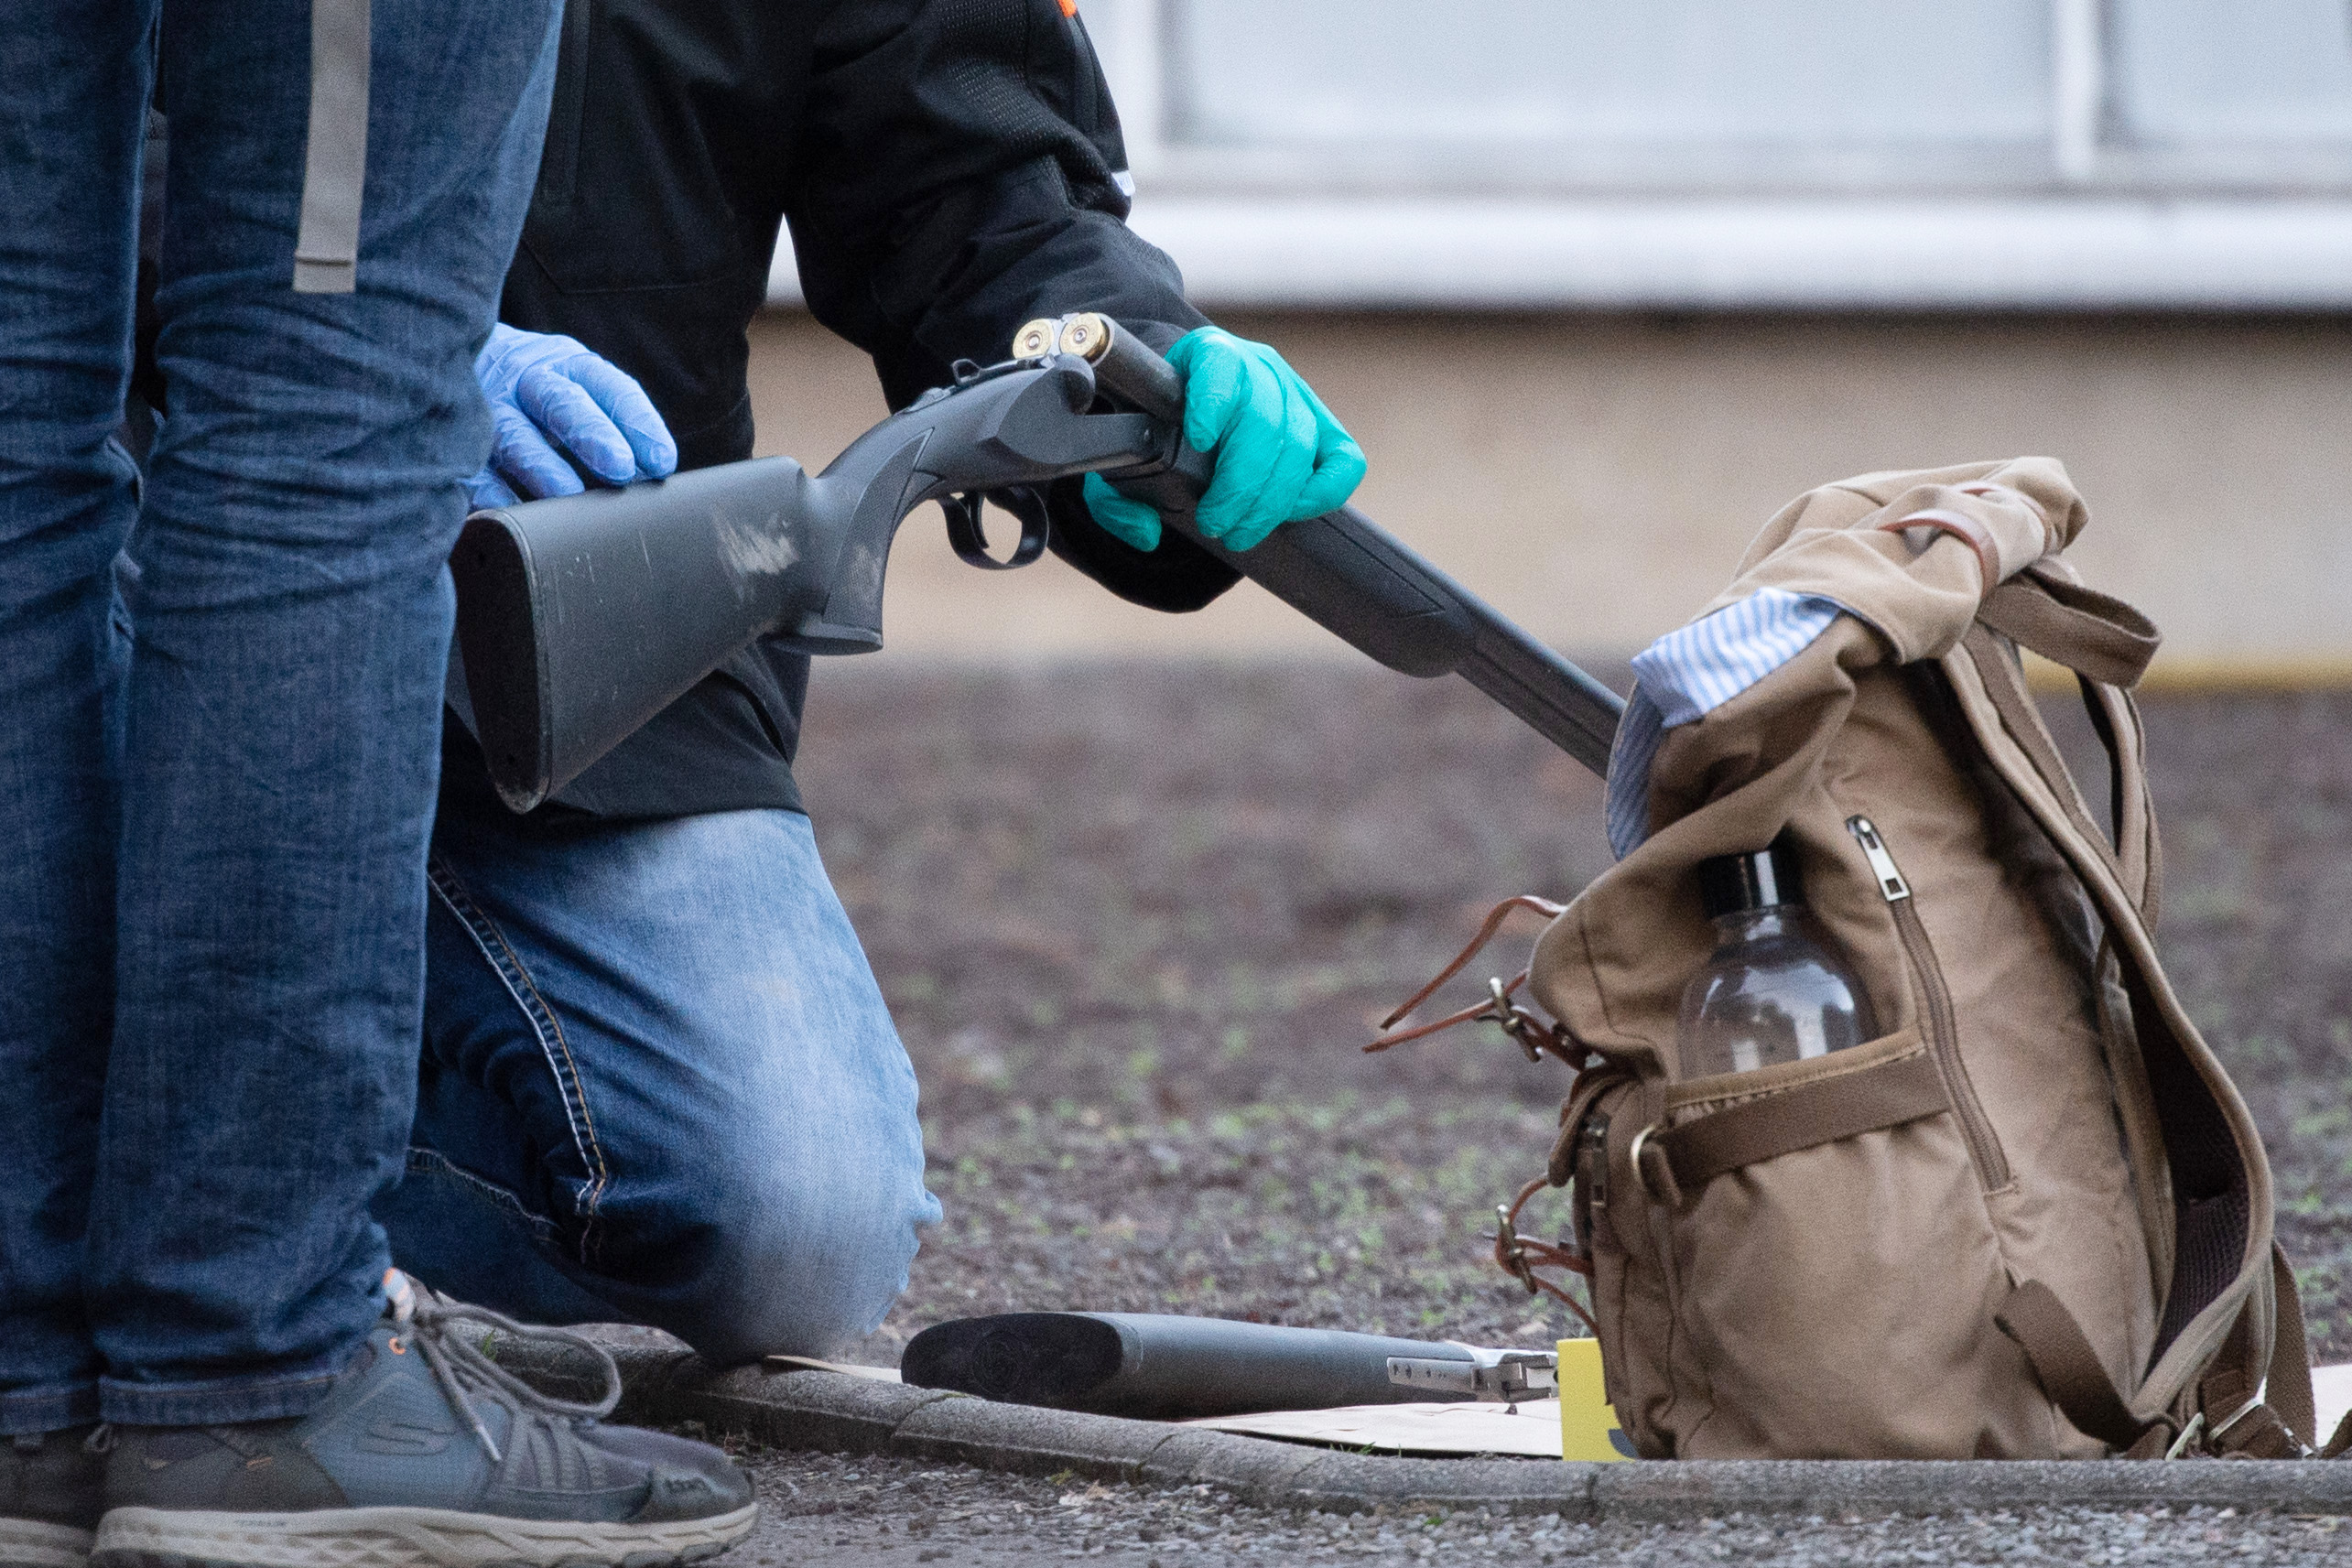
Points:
point(1588, 1428)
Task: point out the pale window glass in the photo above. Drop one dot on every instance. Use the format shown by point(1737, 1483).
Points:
point(2196, 72)
point(1663, 74)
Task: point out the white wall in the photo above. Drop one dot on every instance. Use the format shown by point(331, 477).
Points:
point(1740, 154)
point(1597, 477)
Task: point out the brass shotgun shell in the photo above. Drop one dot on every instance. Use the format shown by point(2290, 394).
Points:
point(1036, 341)
point(1085, 334)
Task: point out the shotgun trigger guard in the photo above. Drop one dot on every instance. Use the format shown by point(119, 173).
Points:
point(969, 535)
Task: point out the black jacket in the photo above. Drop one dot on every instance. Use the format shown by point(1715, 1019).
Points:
point(949, 169)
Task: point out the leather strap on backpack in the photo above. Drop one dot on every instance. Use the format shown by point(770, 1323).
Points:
point(2107, 645)
point(2071, 1374)
point(2262, 1413)
point(1515, 1254)
point(1671, 1165)
point(2243, 1411)
point(2093, 634)
point(1531, 1034)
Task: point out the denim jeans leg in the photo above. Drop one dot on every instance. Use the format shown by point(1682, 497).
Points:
point(71, 121)
point(663, 1086)
point(291, 619)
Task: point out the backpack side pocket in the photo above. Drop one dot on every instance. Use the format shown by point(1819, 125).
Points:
point(1822, 1205)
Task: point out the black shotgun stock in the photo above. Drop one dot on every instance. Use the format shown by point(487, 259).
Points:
point(582, 617)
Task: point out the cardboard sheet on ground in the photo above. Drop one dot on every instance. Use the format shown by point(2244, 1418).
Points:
point(1432, 1429)
point(2331, 1390)
point(1533, 1430)
point(1418, 1429)
point(879, 1374)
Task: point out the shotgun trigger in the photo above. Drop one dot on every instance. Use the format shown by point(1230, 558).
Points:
point(969, 535)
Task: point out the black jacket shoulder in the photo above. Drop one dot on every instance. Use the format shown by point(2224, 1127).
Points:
point(948, 169)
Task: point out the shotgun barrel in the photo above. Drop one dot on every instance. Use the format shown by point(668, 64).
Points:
point(1350, 575)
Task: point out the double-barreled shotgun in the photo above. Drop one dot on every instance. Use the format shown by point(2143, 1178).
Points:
point(582, 617)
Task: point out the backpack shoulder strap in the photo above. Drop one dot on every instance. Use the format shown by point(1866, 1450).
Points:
point(2243, 1411)
point(2115, 716)
point(2132, 855)
point(2107, 645)
point(2288, 1388)
point(2258, 1411)
point(2220, 1192)
point(2095, 634)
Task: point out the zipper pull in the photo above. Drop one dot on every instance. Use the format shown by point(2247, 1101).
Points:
point(1891, 883)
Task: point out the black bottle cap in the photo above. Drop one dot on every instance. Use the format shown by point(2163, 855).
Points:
point(1757, 880)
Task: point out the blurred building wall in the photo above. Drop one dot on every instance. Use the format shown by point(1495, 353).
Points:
point(1597, 477)
point(1600, 287)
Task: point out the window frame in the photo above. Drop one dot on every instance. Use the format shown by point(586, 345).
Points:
point(2088, 151)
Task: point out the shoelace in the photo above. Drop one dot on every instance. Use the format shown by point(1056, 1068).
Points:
point(464, 1370)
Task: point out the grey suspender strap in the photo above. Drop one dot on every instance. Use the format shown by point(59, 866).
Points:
point(334, 167)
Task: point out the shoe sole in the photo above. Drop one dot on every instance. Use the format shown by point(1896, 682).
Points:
point(29, 1544)
point(401, 1538)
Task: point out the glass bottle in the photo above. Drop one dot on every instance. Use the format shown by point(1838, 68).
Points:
point(1777, 988)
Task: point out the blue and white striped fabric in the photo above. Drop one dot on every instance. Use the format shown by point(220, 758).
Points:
point(1688, 674)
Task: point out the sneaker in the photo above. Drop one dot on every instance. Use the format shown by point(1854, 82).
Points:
point(427, 1454)
point(51, 1484)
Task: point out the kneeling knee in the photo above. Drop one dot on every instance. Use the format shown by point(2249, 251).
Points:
point(774, 1272)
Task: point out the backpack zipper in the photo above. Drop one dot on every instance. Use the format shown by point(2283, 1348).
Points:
point(1942, 1032)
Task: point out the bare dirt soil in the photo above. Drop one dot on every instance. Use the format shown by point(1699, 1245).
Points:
point(1136, 923)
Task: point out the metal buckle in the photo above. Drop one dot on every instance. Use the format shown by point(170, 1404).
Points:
point(1508, 1248)
point(2241, 1413)
point(2188, 1437)
point(1633, 1158)
point(2300, 1449)
point(1513, 1020)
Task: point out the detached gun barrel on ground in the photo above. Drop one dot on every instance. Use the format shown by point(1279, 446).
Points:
point(581, 617)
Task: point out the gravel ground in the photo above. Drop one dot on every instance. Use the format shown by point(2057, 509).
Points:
point(1136, 922)
point(821, 1509)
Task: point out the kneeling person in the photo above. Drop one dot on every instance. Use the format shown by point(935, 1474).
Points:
point(659, 1083)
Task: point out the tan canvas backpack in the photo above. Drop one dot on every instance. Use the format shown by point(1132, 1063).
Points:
point(2032, 1219)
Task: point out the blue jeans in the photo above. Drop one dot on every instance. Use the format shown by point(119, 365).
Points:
point(216, 782)
point(659, 1086)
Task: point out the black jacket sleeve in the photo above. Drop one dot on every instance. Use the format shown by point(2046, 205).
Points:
point(956, 178)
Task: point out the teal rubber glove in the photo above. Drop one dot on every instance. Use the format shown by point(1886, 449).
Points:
point(549, 395)
point(1279, 454)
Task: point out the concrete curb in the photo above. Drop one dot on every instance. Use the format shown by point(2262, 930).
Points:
point(788, 1408)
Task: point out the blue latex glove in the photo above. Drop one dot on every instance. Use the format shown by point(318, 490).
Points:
point(547, 392)
point(1280, 455)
